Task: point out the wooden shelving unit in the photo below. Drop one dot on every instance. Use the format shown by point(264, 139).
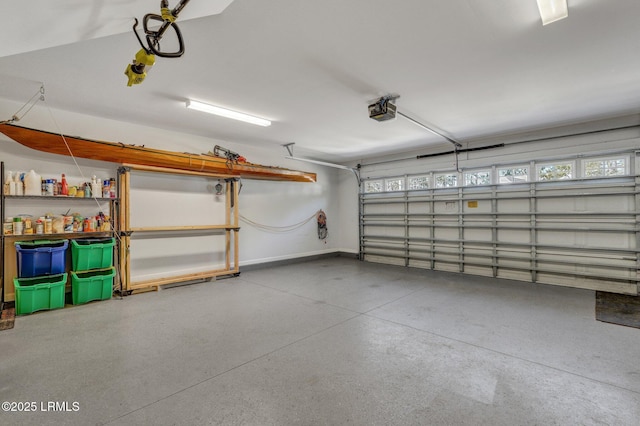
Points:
point(7, 250)
point(230, 229)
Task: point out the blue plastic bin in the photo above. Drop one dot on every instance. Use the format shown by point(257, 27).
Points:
point(41, 257)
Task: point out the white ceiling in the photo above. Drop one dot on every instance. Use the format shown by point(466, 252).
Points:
point(472, 69)
point(43, 23)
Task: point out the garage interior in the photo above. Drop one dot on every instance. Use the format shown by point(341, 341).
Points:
point(436, 220)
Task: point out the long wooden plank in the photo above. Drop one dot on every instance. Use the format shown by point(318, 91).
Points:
point(126, 239)
point(236, 213)
point(133, 154)
point(178, 278)
point(153, 169)
point(229, 197)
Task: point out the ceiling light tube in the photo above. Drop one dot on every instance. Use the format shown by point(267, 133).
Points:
point(552, 10)
point(223, 112)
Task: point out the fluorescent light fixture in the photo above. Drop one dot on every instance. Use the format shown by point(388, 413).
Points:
point(223, 112)
point(552, 10)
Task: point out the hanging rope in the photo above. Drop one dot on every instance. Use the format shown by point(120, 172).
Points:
point(279, 229)
point(38, 96)
point(84, 178)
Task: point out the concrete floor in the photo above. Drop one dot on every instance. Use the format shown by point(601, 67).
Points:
point(327, 342)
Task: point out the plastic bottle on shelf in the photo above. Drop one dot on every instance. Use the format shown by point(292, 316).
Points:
point(32, 184)
point(96, 187)
point(112, 188)
point(48, 225)
point(8, 180)
point(49, 188)
point(64, 186)
point(17, 226)
point(27, 227)
point(7, 226)
point(19, 184)
point(40, 226)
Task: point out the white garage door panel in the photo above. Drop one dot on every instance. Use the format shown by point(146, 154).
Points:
point(574, 233)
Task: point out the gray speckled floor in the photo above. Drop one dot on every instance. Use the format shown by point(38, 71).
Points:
point(328, 342)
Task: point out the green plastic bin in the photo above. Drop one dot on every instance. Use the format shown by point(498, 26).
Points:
point(92, 253)
point(39, 293)
point(92, 285)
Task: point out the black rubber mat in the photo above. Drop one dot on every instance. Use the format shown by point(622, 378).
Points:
point(618, 309)
point(7, 318)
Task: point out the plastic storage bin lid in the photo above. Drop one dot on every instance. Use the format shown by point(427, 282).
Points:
point(88, 241)
point(100, 273)
point(36, 281)
point(40, 243)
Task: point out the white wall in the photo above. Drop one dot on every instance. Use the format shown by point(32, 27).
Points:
point(349, 219)
point(276, 204)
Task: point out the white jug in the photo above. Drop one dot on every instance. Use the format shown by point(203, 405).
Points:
point(32, 184)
